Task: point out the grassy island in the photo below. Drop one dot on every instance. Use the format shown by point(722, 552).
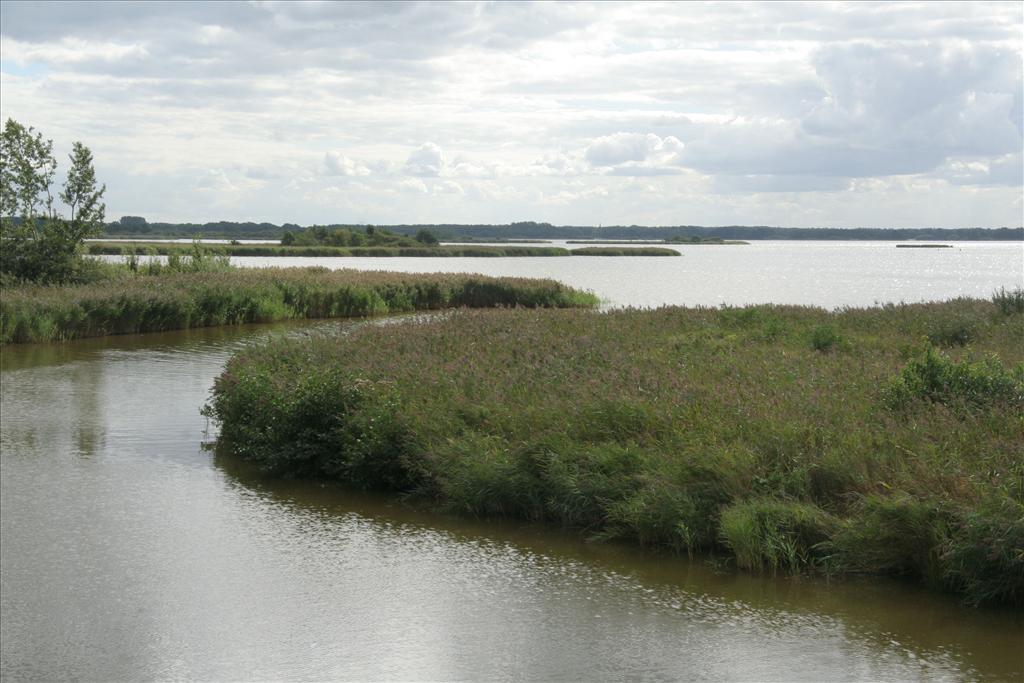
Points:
point(427, 251)
point(125, 302)
point(883, 440)
point(689, 241)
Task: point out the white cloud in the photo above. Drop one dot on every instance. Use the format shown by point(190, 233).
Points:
point(413, 185)
point(214, 179)
point(736, 113)
point(337, 163)
point(428, 160)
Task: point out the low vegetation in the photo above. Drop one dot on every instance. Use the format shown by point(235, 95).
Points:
point(667, 240)
point(204, 291)
point(418, 250)
point(784, 438)
point(624, 251)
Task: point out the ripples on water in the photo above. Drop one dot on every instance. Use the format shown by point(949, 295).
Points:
point(130, 552)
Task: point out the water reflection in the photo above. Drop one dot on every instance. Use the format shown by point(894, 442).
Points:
point(903, 625)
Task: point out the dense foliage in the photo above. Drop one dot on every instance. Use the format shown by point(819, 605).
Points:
point(136, 226)
point(200, 293)
point(37, 243)
point(783, 437)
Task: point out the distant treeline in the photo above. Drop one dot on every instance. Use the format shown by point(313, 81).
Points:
point(136, 226)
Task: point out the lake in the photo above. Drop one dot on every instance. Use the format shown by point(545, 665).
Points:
point(828, 274)
point(130, 551)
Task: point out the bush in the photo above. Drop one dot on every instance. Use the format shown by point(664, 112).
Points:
point(824, 338)
point(952, 332)
point(934, 377)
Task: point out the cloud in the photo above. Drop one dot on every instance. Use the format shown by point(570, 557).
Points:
point(634, 154)
point(1006, 171)
point(214, 180)
point(726, 108)
point(337, 163)
point(413, 185)
point(428, 160)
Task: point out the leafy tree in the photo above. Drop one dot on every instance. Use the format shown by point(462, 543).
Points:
point(27, 167)
point(83, 196)
point(426, 237)
point(37, 244)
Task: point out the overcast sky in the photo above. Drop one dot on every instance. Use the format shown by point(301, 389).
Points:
point(859, 114)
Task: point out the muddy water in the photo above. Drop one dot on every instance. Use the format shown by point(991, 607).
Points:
point(130, 552)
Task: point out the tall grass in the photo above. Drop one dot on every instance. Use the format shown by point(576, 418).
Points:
point(1009, 302)
point(170, 249)
point(624, 251)
point(700, 430)
point(191, 294)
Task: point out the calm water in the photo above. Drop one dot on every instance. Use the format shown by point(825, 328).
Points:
point(829, 274)
point(130, 552)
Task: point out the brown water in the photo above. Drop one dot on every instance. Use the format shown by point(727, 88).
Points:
point(128, 551)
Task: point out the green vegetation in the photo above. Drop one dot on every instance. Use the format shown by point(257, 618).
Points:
point(924, 246)
point(624, 251)
point(203, 291)
point(417, 249)
point(1009, 302)
point(667, 240)
point(785, 438)
point(136, 226)
point(319, 236)
point(37, 243)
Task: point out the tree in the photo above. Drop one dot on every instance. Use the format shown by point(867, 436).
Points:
point(37, 244)
point(27, 167)
point(82, 195)
point(426, 237)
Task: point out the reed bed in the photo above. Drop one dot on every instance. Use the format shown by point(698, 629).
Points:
point(181, 300)
point(884, 440)
point(167, 249)
point(170, 249)
point(624, 251)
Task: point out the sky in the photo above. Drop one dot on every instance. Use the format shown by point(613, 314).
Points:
point(895, 114)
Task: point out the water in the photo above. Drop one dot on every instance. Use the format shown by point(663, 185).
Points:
point(828, 274)
point(128, 551)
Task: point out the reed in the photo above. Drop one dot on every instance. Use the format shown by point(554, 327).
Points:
point(624, 251)
point(700, 430)
point(170, 249)
point(203, 296)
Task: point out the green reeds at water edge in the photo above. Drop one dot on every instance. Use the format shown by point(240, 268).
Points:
point(748, 433)
point(181, 300)
point(144, 249)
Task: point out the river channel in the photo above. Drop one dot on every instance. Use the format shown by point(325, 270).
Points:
point(131, 551)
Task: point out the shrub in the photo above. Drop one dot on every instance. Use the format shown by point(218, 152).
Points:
point(934, 377)
point(952, 332)
point(824, 338)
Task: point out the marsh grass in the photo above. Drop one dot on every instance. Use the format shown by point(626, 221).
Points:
point(1009, 302)
point(205, 291)
point(624, 251)
point(698, 430)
